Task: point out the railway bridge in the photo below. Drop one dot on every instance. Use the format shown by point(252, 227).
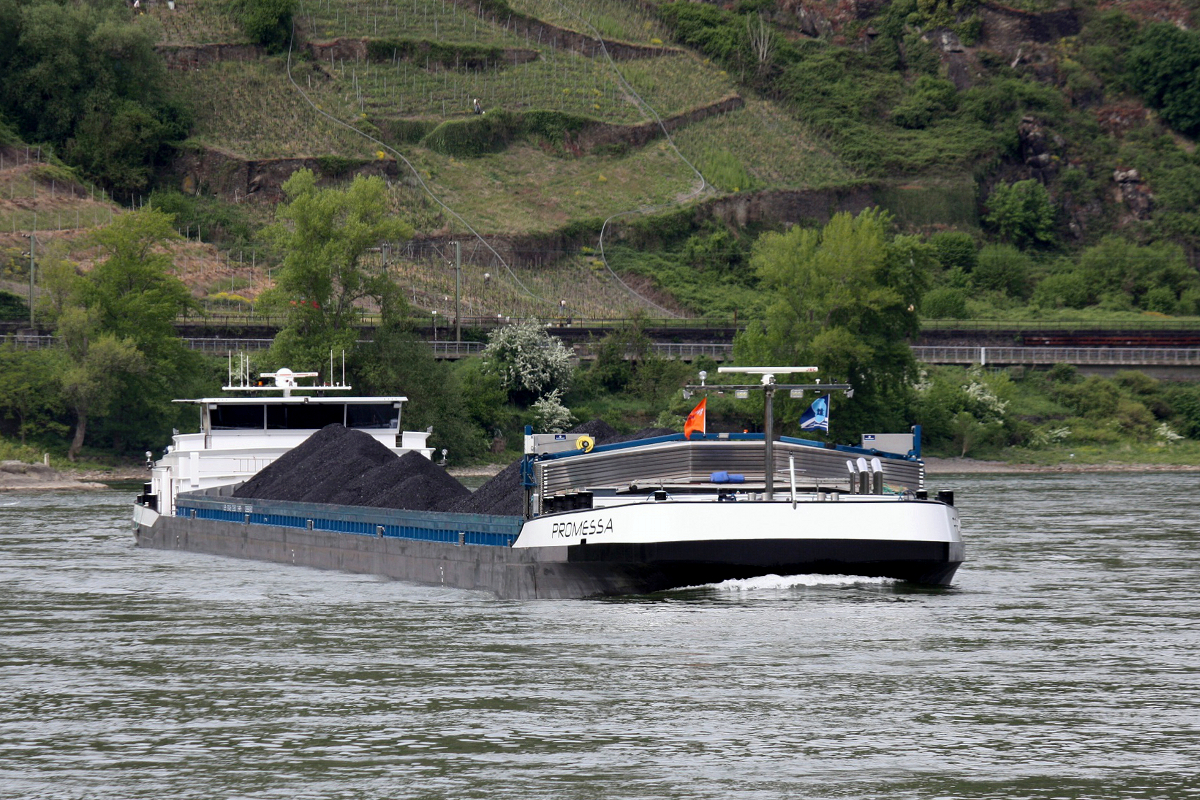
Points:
point(1166, 348)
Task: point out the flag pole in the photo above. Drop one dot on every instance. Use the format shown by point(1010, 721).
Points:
point(769, 439)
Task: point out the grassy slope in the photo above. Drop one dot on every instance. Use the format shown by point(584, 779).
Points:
point(763, 140)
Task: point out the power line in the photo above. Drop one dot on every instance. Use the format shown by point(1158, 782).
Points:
point(416, 173)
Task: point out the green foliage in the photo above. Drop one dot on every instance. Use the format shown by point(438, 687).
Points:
point(324, 236)
point(131, 290)
point(963, 409)
point(493, 131)
point(397, 362)
point(85, 78)
point(955, 250)
point(627, 364)
point(1003, 269)
point(1022, 213)
point(1061, 290)
point(1164, 67)
point(445, 54)
point(8, 136)
point(945, 302)
point(529, 362)
point(723, 170)
point(930, 98)
point(31, 390)
point(227, 224)
point(122, 361)
point(266, 22)
point(707, 274)
point(1154, 277)
point(843, 298)
point(13, 307)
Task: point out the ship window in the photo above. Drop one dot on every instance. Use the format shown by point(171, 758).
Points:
point(236, 417)
point(372, 415)
point(309, 416)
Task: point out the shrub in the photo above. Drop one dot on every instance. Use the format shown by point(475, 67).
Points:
point(458, 56)
point(1164, 67)
point(1021, 213)
point(550, 415)
point(1123, 273)
point(12, 308)
point(944, 303)
point(529, 361)
point(1003, 269)
point(1160, 299)
point(1061, 290)
point(267, 22)
point(955, 249)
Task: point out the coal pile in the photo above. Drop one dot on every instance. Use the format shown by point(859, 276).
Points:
point(598, 429)
point(346, 467)
point(411, 481)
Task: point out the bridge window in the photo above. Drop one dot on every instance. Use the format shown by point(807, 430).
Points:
point(372, 415)
point(307, 416)
point(237, 417)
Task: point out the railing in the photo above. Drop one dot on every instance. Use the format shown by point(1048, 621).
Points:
point(1042, 356)
point(1033, 356)
point(216, 345)
point(456, 349)
point(1139, 324)
point(690, 352)
point(218, 319)
point(677, 351)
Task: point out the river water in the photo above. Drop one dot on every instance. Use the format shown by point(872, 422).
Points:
point(1065, 663)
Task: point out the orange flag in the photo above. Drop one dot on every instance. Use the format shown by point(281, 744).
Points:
point(696, 420)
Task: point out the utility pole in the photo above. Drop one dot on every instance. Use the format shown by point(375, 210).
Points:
point(458, 292)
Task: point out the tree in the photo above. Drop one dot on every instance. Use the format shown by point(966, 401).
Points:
point(1021, 213)
point(325, 235)
point(1002, 268)
point(1164, 66)
point(1119, 267)
point(550, 415)
point(86, 78)
point(99, 364)
point(396, 361)
point(30, 388)
point(267, 22)
point(124, 361)
point(529, 362)
point(844, 298)
point(955, 250)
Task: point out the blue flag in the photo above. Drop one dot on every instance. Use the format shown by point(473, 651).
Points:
point(817, 417)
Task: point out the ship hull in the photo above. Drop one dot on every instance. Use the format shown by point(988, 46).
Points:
point(646, 548)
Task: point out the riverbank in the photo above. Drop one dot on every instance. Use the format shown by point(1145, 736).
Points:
point(972, 466)
point(19, 476)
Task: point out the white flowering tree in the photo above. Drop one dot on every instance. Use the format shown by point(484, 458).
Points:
point(529, 362)
point(550, 415)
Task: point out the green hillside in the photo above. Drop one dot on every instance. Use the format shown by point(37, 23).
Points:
point(934, 111)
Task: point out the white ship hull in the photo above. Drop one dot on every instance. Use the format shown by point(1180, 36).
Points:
point(696, 542)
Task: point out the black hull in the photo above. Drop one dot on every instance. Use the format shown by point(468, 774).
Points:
point(667, 565)
point(576, 571)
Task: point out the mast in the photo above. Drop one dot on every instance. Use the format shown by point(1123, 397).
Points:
point(768, 386)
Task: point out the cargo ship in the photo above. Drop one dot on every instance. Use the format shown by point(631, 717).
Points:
point(625, 518)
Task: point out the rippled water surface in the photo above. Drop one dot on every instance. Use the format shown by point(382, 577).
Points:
point(1065, 663)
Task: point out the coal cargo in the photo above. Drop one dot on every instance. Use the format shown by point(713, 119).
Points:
point(338, 466)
